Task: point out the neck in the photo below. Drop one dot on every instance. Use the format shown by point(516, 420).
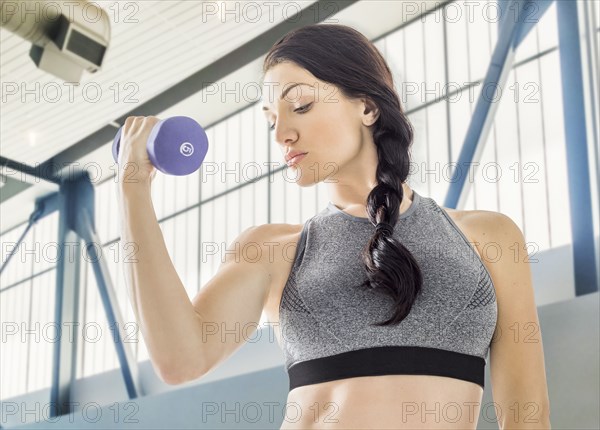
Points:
point(353, 205)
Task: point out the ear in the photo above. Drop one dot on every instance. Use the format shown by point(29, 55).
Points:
point(370, 112)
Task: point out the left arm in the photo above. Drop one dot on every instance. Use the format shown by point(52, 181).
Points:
point(516, 354)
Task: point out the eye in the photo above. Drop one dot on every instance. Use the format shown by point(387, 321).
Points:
point(301, 109)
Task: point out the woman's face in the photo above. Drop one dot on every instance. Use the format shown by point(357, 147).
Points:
point(315, 118)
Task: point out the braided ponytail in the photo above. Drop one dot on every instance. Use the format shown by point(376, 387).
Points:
point(343, 56)
point(390, 267)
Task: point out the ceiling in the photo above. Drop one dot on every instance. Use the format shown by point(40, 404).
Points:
point(171, 42)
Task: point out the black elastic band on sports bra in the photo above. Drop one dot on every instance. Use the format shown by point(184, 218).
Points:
point(388, 360)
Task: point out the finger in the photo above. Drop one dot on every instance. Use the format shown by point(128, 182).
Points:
point(127, 124)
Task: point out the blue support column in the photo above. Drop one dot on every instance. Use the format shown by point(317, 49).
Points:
point(66, 306)
point(580, 201)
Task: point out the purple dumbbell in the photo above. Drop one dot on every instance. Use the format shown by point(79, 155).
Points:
point(176, 145)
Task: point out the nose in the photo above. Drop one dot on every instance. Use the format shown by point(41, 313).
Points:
point(284, 135)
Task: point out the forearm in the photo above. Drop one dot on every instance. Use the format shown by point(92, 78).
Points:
point(520, 415)
point(543, 424)
point(170, 327)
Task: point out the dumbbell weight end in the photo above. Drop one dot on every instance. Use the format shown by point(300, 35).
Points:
point(176, 145)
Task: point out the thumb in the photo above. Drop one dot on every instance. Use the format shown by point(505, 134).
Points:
point(153, 174)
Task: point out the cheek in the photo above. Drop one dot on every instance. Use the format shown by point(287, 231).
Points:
point(343, 137)
point(335, 134)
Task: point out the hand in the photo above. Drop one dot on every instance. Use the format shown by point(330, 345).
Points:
point(134, 165)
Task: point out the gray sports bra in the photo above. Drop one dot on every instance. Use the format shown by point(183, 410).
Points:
point(325, 317)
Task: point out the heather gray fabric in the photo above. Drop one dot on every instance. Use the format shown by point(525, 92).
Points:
point(323, 311)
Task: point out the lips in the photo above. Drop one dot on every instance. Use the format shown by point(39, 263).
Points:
point(292, 154)
point(296, 159)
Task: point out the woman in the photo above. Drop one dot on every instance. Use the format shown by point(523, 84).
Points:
point(386, 313)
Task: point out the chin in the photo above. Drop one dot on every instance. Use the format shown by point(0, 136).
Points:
point(302, 176)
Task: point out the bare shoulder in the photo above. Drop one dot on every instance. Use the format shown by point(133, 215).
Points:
point(269, 231)
point(486, 225)
point(464, 219)
point(272, 240)
point(482, 226)
point(274, 231)
point(489, 228)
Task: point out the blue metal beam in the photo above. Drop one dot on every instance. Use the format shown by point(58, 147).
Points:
point(502, 59)
point(532, 12)
point(580, 199)
point(75, 202)
point(85, 226)
point(127, 359)
point(43, 207)
point(66, 306)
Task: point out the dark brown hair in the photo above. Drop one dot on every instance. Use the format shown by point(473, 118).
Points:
point(342, 56)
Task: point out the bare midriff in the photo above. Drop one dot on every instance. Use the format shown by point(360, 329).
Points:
point(389, 401)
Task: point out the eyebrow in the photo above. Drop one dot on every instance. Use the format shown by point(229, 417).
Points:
point(284, 93)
